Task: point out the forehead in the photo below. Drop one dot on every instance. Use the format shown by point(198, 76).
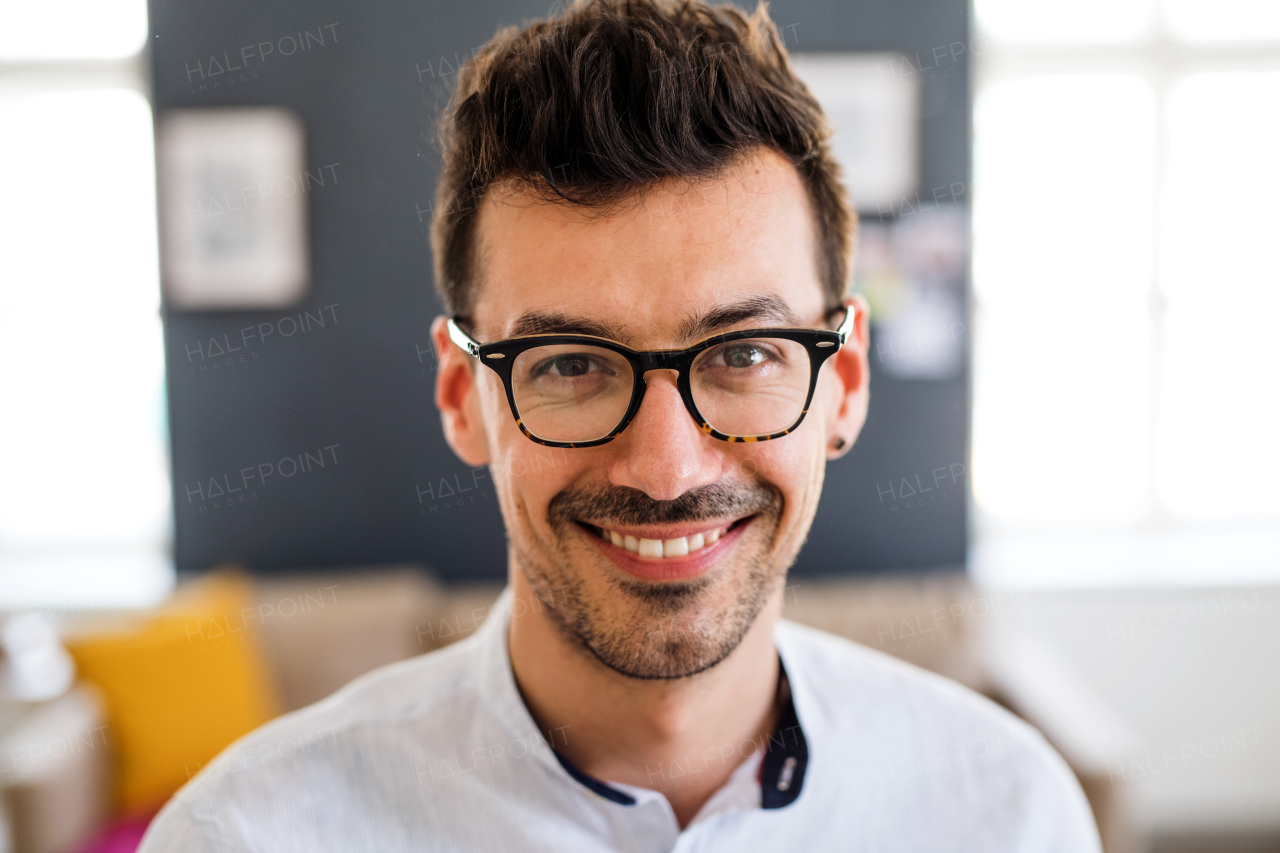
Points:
point(650, 269)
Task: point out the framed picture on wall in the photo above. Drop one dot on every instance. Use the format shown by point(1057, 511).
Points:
point(875, 111)
point(233, 188)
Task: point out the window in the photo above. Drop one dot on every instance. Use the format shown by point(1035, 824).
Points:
point(1126, 367)
point(84, 512)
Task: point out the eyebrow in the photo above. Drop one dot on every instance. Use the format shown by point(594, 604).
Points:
point(701, 325)
point(559, 323)
point(764, 307)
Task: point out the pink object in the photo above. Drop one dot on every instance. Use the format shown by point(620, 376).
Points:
point(123, 837)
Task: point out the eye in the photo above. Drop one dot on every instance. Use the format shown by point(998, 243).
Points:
point(745, 354)
point(568, 366)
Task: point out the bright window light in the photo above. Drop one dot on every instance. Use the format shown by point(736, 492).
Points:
point(1079, 21)
point(82, 454)
point(1131, 170)
point(1223, 20)
point(1063, 230)
point(71, 29)
point(1064, 182)
point(1219, 393)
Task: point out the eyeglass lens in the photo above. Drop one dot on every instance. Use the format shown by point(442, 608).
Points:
point(577, 393)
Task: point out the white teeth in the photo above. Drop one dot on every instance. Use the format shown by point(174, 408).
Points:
point(650, 547)
point(677, 547)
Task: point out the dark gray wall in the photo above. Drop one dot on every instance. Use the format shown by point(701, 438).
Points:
point(363, 380)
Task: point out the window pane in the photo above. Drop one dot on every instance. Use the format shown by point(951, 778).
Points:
point(1219, 212)
point(1219, 415)
point(1045, 21)
point(1061, 412)
point(1219, 393)
point(1063, 236)
point(81, 443)
point(1223, 20)
point(72, 29)
point(1063, 181)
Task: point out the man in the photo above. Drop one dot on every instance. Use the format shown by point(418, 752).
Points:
point(644, 246)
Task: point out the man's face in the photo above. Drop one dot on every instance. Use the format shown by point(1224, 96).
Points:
point(737, 252)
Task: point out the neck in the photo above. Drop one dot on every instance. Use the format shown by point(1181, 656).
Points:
point(683, 737)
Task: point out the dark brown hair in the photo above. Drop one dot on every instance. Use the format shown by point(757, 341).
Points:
point(614, 96)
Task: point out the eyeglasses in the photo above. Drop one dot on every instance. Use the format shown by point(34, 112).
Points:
point(581, 390)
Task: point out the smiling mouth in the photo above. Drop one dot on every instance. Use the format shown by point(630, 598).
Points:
point(679, 546)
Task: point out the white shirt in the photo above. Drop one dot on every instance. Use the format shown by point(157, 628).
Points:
point(439, 753)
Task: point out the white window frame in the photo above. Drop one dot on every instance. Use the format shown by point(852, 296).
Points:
point(55, 579)
point(1159, 549)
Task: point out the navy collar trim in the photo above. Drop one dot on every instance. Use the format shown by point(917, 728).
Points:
point(786, 756)
point(606, 791)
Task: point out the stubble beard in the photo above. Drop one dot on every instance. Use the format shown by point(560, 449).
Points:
point(672, 629)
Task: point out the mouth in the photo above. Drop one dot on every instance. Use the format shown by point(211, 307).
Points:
point(674, 552)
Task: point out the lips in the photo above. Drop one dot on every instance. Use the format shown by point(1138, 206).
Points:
point(678, 546)
point(670, 553)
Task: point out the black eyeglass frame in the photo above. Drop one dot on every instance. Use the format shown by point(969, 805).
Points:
point(500, 357)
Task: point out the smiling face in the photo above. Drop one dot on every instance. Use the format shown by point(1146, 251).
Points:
point(660, 548)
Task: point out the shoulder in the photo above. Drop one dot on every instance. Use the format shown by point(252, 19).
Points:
point(926, 744)
point(845, 678)
point(319, 747)
point(398, 693)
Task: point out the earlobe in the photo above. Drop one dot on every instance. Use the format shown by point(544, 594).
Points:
point(837, 448)
point(457, 399)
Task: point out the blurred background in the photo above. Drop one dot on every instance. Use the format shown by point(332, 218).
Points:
point(224, 490)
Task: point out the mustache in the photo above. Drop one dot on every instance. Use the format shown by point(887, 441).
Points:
point(626, 506)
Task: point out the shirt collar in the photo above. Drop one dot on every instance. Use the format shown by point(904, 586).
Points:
point(786, 751)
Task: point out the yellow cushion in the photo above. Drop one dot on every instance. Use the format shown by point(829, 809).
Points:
point(179, 687)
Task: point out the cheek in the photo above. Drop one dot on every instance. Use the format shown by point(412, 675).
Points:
point(795, 464)
point(826, 397)
point(493, 411)
point(528, 475)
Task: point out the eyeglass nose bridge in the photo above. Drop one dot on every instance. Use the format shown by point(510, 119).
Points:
point(651, 360)
point(678, 361)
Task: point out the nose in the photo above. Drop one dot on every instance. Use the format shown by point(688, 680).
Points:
point(663, 452)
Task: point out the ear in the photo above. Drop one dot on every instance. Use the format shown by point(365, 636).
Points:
point(850, 378)
point(458, 399)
